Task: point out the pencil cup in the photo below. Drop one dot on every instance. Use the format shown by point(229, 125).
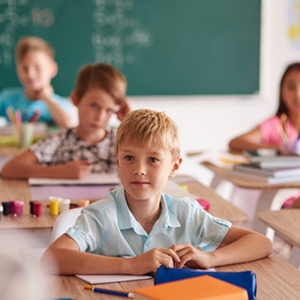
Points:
point(37, 209)
point(19, 208)
point(54, 207)
point(64, 205)
point(26, 134)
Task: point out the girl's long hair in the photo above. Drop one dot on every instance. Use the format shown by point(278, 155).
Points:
point(282, 109)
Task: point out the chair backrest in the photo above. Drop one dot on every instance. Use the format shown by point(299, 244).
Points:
point(64, 221)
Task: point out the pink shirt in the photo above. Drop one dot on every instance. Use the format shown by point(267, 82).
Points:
point(270, 133)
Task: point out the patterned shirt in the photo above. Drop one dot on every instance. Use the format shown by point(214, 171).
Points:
point(108, 227)
point(64, 146)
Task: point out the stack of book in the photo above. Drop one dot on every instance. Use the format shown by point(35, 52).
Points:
point(268, 168)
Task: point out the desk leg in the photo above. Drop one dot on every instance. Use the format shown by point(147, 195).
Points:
point(222, 187)
point(273, 200)
point(216, 181)
point(294, 258)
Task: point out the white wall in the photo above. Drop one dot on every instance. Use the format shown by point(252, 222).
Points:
point(210, 122)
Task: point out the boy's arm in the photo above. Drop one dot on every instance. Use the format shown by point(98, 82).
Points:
point(64, 257)
point(60, 117)
point(27, 165)
point(240, 245)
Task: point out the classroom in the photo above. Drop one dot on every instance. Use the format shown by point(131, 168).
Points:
point(214, 68)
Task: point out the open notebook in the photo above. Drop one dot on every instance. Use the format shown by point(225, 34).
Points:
point(95, 279)
point(90, 179)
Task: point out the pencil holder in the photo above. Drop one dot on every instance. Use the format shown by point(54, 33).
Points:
point(26, 134)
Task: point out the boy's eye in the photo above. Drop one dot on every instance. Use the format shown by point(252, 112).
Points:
point(128, 157)
point(109, 111)
point(153, 159)
point(290, 87)
point(94, 105)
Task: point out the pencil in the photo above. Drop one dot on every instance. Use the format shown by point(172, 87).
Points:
point(109, 291)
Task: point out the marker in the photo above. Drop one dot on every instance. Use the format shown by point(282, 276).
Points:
point(109, 291)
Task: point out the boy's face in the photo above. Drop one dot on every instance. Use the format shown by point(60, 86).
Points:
point(36, 70)
point(143, 170)
point(94, 110)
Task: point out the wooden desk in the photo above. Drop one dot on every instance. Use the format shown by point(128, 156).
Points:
point(20, 190)
point(286, 223)
point(276, 279)
point(269, 199)
point(218, 206)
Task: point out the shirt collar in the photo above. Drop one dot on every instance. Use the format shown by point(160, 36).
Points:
point(126, 220)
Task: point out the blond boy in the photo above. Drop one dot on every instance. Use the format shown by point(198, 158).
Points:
point(100, 92)
point(140, 223)
point(36, 68)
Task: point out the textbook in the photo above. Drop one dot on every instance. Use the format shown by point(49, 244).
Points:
point(197, 288)
point(275, 172)
point(266, 155)
point(97, 179)
point(263, 178)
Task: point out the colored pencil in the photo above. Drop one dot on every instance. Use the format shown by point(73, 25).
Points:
point(109, 291)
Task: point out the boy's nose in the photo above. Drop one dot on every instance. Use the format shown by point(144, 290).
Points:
point(101, 114)
point(31, 72)
point(140, 170)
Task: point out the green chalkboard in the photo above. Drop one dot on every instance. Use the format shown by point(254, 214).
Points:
point(164, 47)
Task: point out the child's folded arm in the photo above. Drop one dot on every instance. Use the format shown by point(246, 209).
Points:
point(26, 165)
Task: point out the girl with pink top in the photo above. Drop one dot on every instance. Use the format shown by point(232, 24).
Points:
point(280, 132)
point(269, 133)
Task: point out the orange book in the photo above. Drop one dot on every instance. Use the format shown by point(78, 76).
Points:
point(196, 288)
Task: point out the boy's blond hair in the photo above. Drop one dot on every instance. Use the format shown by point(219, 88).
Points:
point(31, 43)
point(147, 126)
point(102, 76)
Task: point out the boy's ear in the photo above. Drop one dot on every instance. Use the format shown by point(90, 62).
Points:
point(74, 98)
point(54, 69)
point(175, 166)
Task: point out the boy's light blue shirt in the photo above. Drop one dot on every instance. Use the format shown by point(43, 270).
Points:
point(15, 97)
point(107, 227)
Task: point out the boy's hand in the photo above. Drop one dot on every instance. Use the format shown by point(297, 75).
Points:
point(45, 94)
point(152, 260)
point(191, 256)
point(76, 169)
point(123, 110)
